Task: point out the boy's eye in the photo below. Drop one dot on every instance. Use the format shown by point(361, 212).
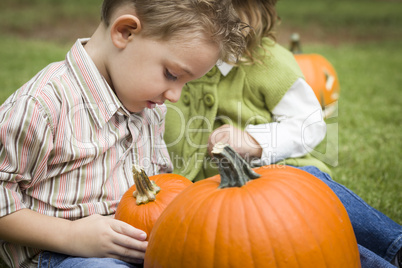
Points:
point(170, 76)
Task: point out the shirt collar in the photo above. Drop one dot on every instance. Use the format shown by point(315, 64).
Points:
point(224, 68)
point(100, 98)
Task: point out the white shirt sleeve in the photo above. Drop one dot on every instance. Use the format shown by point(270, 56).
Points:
point(298, 126)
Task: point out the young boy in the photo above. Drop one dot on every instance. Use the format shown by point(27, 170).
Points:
point(69, 137)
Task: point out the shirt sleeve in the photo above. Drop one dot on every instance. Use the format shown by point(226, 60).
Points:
point(25, 145)
point(298, 126)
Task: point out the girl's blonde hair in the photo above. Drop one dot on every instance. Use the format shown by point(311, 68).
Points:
point(262, 17)
point(215, 20)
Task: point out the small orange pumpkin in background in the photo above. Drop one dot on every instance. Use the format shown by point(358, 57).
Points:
point(319, 74)
point(143, 202)
point(272, 216)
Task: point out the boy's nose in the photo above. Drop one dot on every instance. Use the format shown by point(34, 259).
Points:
point(173, 94)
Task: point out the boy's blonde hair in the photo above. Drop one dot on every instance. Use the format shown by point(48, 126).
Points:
point(215, 20)
point(261, 16)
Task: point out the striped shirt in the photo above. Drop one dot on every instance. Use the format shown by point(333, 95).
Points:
point(67, 146)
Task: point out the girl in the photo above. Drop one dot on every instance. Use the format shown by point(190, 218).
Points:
point(266, 111)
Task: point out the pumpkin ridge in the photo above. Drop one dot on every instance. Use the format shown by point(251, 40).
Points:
point(249, 200)
point(261, 211)
point(294, 207)
point(277, 188)
point(328, 203)
point(231, 205)
point(175, 205)
point(214, 200)
point(219, 220)
point(320, 194)
point(173, 235)
point(278, 218)
point(210, 203)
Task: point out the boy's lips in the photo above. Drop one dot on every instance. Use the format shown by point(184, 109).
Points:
point(151, 104)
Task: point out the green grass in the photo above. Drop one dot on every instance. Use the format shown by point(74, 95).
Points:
point(21, 59)
point(363, 19)
point(54, 20)
point(361, 38)
point(28, 15)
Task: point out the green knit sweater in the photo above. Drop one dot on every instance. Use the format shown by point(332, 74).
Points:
point(245, 96)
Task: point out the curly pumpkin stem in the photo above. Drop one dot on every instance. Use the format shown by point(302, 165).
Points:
point(234, 170)
point(146, 189)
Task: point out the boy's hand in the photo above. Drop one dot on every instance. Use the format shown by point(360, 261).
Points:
point(100, 236)
point(239, 140)
point(93, 236)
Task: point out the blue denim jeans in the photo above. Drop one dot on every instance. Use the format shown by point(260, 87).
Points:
point(378, 236)
point(52, 260)
point(369, 259)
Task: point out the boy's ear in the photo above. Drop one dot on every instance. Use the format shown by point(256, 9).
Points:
point(123, 30)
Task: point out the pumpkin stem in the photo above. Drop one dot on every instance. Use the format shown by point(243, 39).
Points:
point(146, 189)
point(234, 170)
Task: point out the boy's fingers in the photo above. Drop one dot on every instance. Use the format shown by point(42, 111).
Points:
point(128, 230)
point(130, 243)
point(128, 255)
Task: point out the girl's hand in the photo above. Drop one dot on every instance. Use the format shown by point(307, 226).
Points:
point(102, 236)
point(239, 140)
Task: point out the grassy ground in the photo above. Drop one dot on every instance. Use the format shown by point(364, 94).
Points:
point(361, 38)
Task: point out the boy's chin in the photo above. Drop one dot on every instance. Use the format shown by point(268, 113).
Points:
point(135, 110)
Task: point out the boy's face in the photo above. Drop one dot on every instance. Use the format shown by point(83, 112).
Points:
point(148, 72)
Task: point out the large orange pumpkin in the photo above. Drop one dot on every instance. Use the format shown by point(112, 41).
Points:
point(143, 202)
point(285, 218)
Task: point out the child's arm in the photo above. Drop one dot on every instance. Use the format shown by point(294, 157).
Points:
point(298, 127)
point(94, 236)
point(242, 142)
